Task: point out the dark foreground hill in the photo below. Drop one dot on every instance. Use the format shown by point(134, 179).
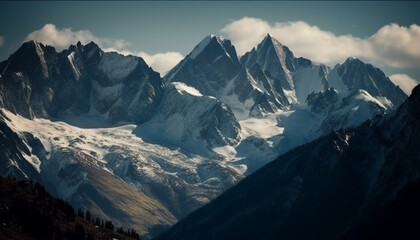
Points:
point(27, 211)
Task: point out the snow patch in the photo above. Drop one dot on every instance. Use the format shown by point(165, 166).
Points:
point(34, 161)
point(183, 88)
point(364, 96)
point(261, 127)
point(291, 96)
point(76, 71)
point(385, 101)
point(41, 56)
point(240, 110)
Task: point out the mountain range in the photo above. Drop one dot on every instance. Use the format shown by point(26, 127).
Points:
point(359, 183)
point(107, 133)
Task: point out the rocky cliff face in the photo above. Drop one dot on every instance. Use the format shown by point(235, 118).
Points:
point(192, 120)
point(347, 110)
point(275, 59)
point(180, 143)
point(329, 187)
point(209, 67)
point(355, 74)
point(37, 81)
point(16, 156)
point(71, 173)
point(270, 78)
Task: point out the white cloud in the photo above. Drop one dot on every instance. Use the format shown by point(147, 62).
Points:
point(62, 38)
point(122, 52)
point(392, 45)
point(1, 41)
point(405, 82)
point(399, 46)
point(162, 62)
point(118, 44)
point(246, 33)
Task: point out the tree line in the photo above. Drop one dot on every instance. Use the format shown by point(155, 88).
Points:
point(27, 208)
point(107, 224)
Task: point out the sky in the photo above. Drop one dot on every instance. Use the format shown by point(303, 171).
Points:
point(386, 34)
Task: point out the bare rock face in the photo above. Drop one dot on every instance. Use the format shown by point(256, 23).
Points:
point(356, 74)
point(188, 116)
point(39, 82)
point(209, 67)
point(349, 184)
point(275, 59)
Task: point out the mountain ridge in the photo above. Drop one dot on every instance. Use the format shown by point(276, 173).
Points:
point(327, 187)
point(83, 73)
point(179, 141)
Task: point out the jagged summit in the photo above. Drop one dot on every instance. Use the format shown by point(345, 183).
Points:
point(214, 69)
point(355, 74)
point(278, 63)
point(209, 66)
point(29, 44)
point(271, 76)
point(298, 77)
point(217, 119)
point(200, 47)
point(356, 62)
point(215, 45)
point(275, 58)
point(79, 45)
point(328, 187)
point(82, 80)
point(32, 58)
point(350, 59)
point(269, 39)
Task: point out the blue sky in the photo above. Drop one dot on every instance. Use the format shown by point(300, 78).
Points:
point(166, 31)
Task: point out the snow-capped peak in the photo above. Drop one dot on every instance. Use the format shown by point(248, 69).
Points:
point(269, 41)
point(352, 59)
point(206, 42)
point(200, 47)
point(218, 37)
point(268, 37)
point(277, 59)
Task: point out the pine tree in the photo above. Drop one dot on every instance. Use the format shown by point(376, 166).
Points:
point(109, 225)
point(80, 213)
point(88, 216)
point(120, 230)
point(98, 222)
